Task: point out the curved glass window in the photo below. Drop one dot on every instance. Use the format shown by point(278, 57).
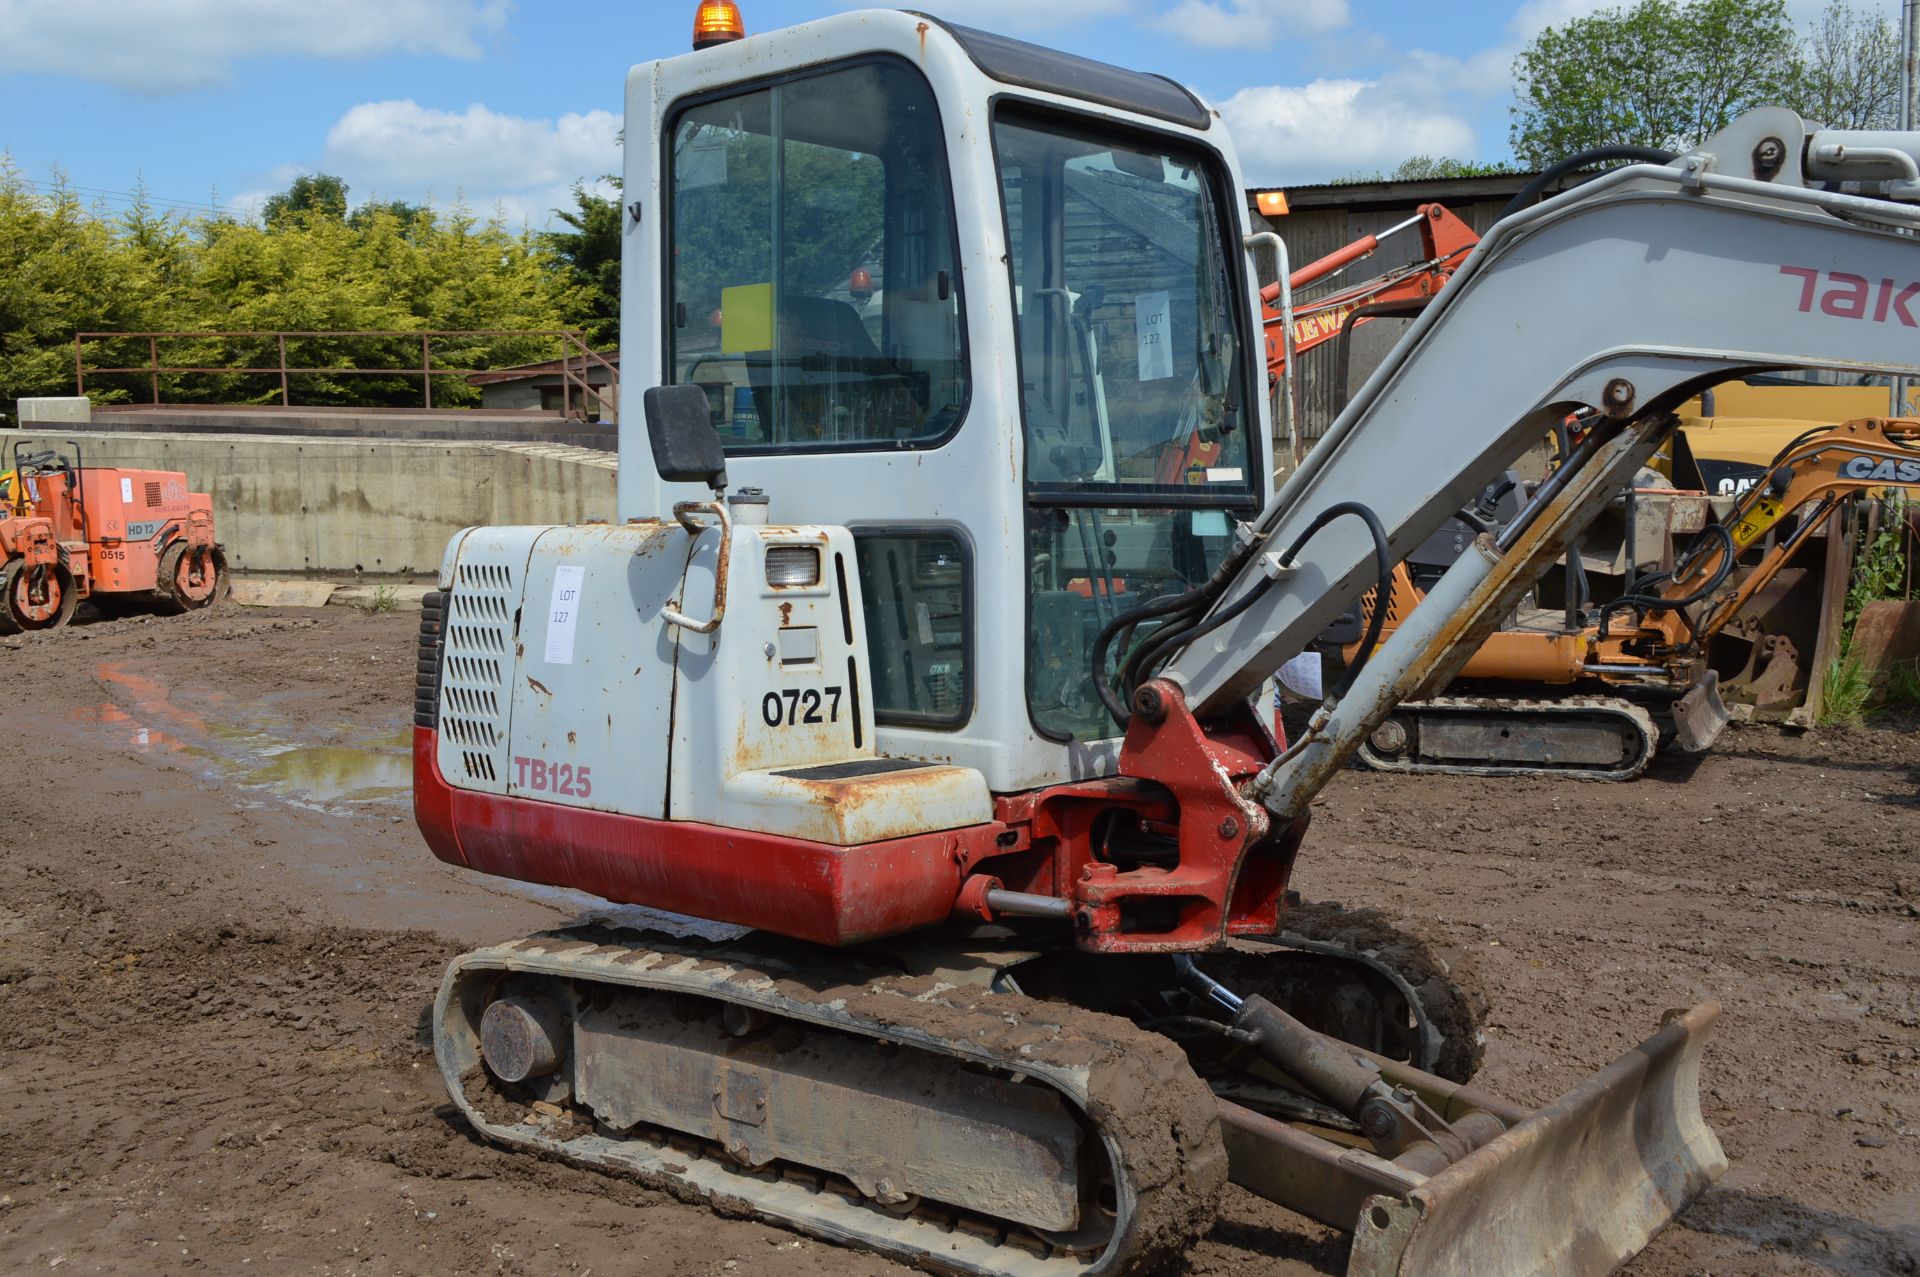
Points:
point(1133, 371)
point(1135, 376)
point(816, 286)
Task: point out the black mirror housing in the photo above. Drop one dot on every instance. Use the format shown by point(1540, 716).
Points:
point(686, 447)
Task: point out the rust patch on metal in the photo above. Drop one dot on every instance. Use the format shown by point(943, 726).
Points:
point(538, 686)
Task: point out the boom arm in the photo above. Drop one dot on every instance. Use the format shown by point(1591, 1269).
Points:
point(1445, 241)
point(1699, 271)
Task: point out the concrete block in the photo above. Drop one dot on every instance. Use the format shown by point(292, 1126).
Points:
point(72, 408)
point(401, 598)
point(374, 507)
point(281, 592)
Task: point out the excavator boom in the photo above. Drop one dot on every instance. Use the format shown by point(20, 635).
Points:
point(1445, 241)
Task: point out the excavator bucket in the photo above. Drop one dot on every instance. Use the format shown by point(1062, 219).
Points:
point(1700, 715)
point(1575, 1189)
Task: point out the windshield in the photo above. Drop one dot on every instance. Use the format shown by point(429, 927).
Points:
point(1133, 390)
point(1131, 370)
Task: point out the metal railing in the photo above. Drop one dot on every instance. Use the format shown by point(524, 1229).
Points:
point(576, 363)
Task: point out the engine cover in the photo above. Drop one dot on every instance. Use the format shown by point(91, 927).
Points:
point(573, 672)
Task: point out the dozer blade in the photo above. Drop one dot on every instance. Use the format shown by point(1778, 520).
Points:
point(1700, 716)
point(1574, 1190)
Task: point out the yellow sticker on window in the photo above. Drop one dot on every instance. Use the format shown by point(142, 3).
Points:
point(746, 318)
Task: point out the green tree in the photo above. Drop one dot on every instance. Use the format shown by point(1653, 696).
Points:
point(1424, 167)
point(1849, 75)
point(1656, 74)
point(589, 255)
point(391, 267)
point(312, 195)
point(400, 210)
point(62, 271)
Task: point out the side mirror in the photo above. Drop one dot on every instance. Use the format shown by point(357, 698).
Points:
point(686, 447)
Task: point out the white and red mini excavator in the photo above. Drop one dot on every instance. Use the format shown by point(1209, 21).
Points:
point(906, 658)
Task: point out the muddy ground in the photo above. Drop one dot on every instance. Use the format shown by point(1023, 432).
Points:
point(219, 933)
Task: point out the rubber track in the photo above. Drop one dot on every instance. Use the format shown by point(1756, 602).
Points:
point(1156, 1117)
point(1524, 712)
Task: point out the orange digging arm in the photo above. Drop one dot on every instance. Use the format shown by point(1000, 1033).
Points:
point(1860, 456)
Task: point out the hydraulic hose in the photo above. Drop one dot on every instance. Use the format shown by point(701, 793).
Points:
point(1383, 586)
point(1173, 606)
point(1598, 155)
point(1128, 620)
point(1714, 532)
point(1183, 629)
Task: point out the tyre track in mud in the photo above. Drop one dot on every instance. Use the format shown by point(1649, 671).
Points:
point(211, 1057)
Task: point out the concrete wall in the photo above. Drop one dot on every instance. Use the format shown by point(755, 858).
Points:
point(373, 505)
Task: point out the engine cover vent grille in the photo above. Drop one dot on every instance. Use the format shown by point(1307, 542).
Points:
point(474, 673)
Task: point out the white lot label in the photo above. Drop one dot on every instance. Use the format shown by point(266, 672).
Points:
point(126, 490)
point(1153, 324)
point(563, 616)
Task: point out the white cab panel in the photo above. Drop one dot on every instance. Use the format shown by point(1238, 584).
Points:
point(594, 687)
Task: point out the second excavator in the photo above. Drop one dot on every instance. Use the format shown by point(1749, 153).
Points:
point(1639, 674)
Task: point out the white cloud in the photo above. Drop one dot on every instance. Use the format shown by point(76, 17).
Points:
point(150, 46)
point(1535, 16)
point(524, 167)
point(401, 145)
point(1434, 76)
point(1240, 24)
point(1322, 130)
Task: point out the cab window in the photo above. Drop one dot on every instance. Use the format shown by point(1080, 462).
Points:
point(815, 288)
point(915, 586)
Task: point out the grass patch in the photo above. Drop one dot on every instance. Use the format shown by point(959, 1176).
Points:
point(1903, 686)
point(1845, 693)
point(385, 599)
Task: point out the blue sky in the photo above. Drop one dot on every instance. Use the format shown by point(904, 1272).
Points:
point(507, 103)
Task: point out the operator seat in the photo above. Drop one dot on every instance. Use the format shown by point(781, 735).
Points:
point(829, 372)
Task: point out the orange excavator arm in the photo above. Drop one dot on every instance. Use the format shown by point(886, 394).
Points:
point(1814, 473)
point(1445, 242)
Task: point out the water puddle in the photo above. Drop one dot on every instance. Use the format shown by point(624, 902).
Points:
point(332, 774)
point(145, 718)
point(130, 732)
